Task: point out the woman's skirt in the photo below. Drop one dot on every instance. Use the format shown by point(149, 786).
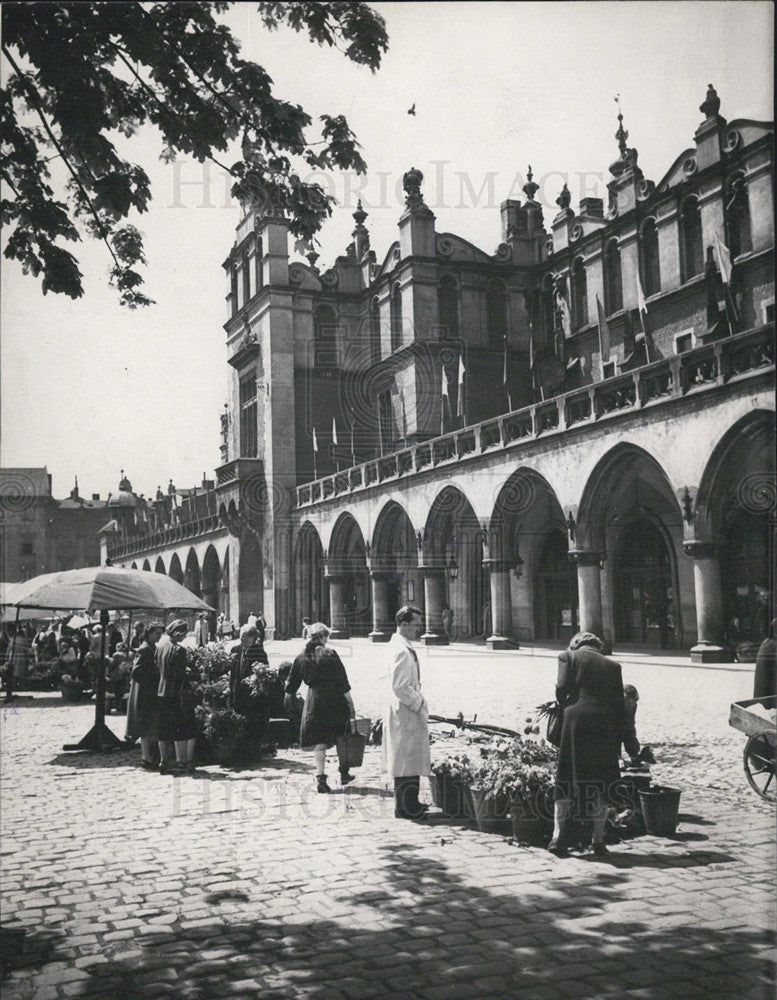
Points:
point(176, 720)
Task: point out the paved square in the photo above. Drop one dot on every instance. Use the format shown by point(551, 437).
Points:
point(245, 883)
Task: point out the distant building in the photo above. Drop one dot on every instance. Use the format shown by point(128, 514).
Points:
point(39, 534)
point(573, 431)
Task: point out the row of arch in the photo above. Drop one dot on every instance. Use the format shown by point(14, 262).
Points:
point(629, 514)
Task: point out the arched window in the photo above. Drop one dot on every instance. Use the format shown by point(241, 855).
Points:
point(579, 295)
point(375, 329)
point(396, 317)
point(547, 315)
point(233, 288)
point(613, 288)
point(649, 265)
point(691, 239)
point(448, 307)
point(738, 231)
point(258, 262)
point(326, 337)
point(496, 310)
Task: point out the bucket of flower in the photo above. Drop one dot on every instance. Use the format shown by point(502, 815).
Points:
point(72, 689)
point(450, 780)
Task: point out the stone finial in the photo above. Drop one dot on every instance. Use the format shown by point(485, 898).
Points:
point(359, 215)
point(125, 486)
point(311, 257)
point(411, 182)
point(564, 199)
point(170, 487)
point(710, 106)
point(530, 188)
point(159, 494)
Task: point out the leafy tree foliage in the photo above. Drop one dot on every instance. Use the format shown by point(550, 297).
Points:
point(83, 73)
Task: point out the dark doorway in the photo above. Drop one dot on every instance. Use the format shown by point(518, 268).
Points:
point(645, 605)
point(555, 591)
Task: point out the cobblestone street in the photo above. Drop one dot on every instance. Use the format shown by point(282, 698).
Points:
point(245, 883)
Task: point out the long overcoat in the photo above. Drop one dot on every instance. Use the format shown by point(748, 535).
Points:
point(406, 716)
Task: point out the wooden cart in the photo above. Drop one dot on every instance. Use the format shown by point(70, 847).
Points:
point(759, 754)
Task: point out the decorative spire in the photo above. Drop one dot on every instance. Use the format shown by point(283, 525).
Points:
point(411, 182)
point(710, 106)
point(621, 135)
point(159, 494)
point(564, 199)
point(125, 486)
point(359, 215)
point(530, 188)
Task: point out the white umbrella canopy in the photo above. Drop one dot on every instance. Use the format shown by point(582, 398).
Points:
point(106, 588)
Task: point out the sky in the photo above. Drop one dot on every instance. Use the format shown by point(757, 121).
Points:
point(91, 388)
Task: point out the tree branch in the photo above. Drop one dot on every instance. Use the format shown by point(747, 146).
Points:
point(58, 147)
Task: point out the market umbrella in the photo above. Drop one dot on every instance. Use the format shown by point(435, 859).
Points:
point(104, 589)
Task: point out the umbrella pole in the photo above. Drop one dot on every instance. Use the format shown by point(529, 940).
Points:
point(9, 678)
point(99, 737)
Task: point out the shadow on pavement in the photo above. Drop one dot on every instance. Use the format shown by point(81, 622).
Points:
point(424, 930)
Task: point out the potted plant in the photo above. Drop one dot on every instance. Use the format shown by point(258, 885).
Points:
point(450, 780)
point(531, 802)
point(224, 730)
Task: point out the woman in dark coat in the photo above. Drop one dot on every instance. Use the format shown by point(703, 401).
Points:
point(175, 701)
point(242, 700)
point(328, 705)
point(590, 687)
point(142, 709)
point(765, 679)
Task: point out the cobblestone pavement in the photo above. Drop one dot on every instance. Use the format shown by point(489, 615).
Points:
point(245, 883)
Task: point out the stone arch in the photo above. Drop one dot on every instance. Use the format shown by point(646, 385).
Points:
point(192, 579)
point(526, 513)
point(453, 547)
point(211, 581)
point(134, 566)
point(394, 567)
point(347, 564)
point(159, 565)
point(735, 509)
point(146, 566)
point(630, 517)
point(311, 596)
point(250, 577)
point(176, 572)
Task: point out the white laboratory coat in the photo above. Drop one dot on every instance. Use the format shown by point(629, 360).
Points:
point(406, 717)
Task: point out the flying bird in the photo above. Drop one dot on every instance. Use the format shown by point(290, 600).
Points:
point(411, 111)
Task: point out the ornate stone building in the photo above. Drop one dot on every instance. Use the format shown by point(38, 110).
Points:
point(573, 431)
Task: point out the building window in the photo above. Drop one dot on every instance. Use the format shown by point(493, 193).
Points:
point(233, 288)
point(649, 265)
point(326, 337)
point(608, 369)
point(258, 263)
point(579, 295)
point(396, 317)
point(613, 289)
point(496, 311)
point(448, 306)
point(691, 239)
point(246, 279)
point(28, 549)
point(248, 416)
point(375, 330)
point(386, 424)
point(547, 313)
point(684, 341)
point(740, 239)
point(767, 311)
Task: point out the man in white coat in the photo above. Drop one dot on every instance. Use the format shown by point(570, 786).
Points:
point(406, 718)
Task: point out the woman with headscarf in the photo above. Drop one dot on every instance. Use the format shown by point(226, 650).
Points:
point(177, 724)
point(328, 705)
point(241, 666)
point(765, 678)
point(142, 708)
point(590, 687)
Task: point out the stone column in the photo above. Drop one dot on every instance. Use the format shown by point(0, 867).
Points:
point(381, 626)
point(501, 606)
point(337, 607)
point(710, 625)
point(434, 600)
point(589, 590)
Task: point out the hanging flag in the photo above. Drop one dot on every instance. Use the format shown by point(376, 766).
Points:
point(445, 408)
point(642, 307)
point(724, 260)
point(334, 431)
point(641, 304)
point(315, 440)
point(460, 394)
point(398, 406)
point(353, 453)
point(504, 364)
point(604, 334)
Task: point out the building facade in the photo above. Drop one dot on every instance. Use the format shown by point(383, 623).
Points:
point(575, 431)
point(39, 534)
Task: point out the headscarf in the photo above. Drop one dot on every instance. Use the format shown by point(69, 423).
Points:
point(177, 629)
point(585, 639)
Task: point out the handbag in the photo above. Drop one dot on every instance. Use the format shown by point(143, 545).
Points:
point(555, 724)
point(350, 749)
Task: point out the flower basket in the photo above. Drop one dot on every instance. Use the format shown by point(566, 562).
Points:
point(490, 810)
point(72, 691)
point(452, 796)
point(531, 821)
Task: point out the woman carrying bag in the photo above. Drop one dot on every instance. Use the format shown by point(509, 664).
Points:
point(329, 711)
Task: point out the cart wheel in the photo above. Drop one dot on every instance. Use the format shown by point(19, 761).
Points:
point(760, 766)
